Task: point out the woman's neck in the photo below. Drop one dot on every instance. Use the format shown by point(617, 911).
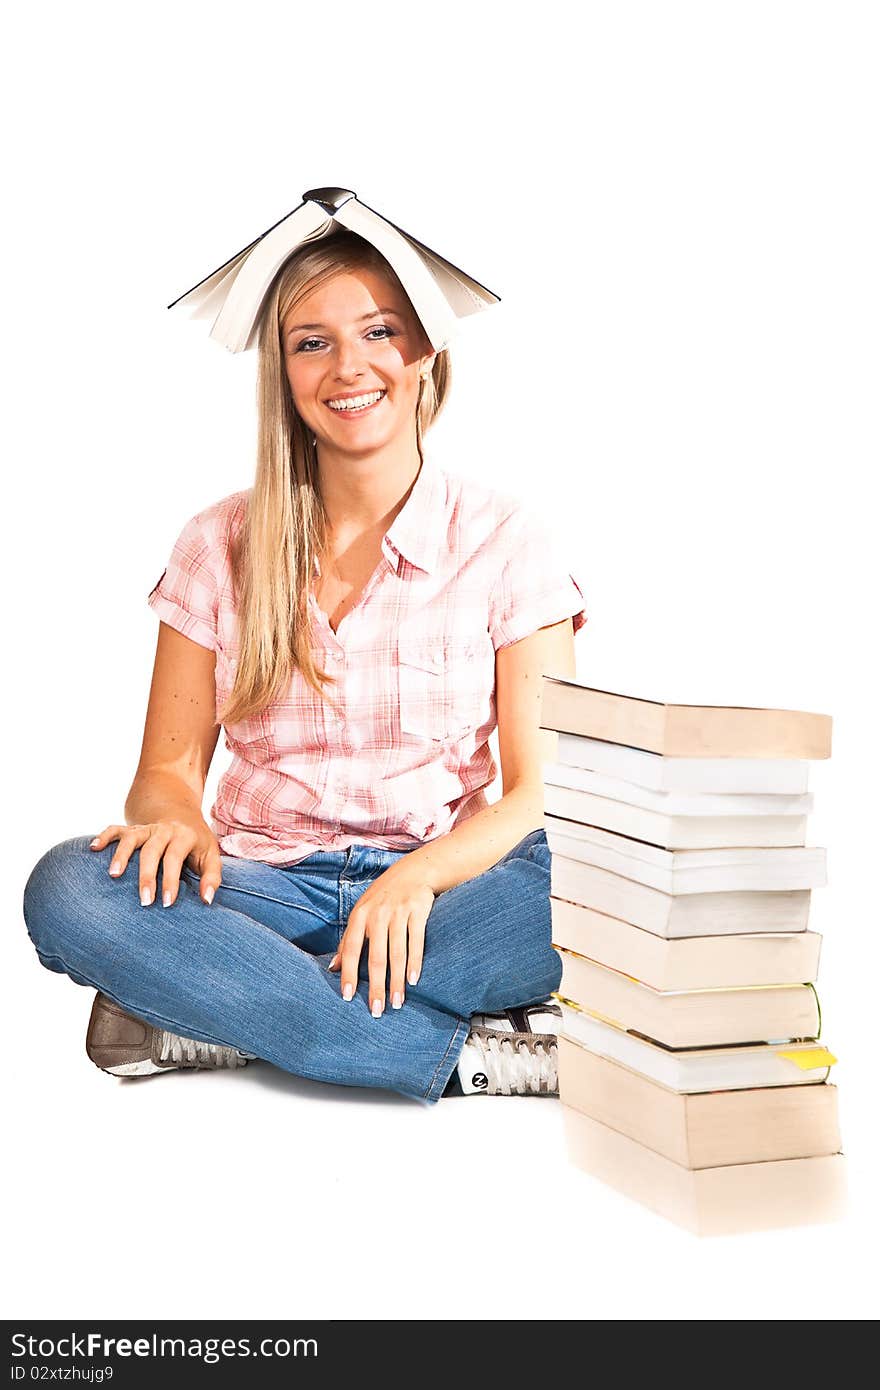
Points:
point(360, 494)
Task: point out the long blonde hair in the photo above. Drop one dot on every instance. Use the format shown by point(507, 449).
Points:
point(272, 555)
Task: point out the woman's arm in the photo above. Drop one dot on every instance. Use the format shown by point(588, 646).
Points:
point(180, 733)
point(163, 809)
point(484, 838)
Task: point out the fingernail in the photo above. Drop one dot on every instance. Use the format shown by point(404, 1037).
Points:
point(115, 869)
point(377, 1008)
point(94, 843)
point(396, 1001)
point(146, 897)
point(209, 895)
point(166, 898)
point(413, 978)
point(347, 991)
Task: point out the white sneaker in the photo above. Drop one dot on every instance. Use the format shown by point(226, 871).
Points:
point(513, 1053)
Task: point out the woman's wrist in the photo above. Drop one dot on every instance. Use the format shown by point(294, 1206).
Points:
point(163, 796)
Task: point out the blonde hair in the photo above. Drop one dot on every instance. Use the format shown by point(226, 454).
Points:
point(272, 555)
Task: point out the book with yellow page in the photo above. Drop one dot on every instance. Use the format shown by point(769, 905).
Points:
point(702, 1129)
point(689, 1069)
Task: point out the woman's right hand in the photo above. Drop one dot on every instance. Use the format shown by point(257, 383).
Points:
point(172, 842)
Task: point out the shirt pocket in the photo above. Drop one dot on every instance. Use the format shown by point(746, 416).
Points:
point(446, 683)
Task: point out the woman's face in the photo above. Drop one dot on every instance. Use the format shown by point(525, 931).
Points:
point(357, 335)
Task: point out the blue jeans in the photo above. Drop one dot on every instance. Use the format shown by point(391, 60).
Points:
point(251, 970)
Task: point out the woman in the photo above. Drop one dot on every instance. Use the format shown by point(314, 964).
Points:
point(358, 621)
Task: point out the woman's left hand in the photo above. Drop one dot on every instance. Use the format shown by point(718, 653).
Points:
point(391, 914)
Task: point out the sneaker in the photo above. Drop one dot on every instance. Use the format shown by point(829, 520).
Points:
point(126, 1046)
point(513, 1053)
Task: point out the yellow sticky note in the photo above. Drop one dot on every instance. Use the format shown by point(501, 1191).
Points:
point(810, 1058)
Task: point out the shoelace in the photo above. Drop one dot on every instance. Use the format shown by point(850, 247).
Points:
point(200, 1054)
point(523, 1067)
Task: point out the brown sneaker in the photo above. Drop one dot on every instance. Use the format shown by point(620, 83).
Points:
point(126, 1046)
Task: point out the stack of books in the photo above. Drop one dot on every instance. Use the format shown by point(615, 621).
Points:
point(691, 1073)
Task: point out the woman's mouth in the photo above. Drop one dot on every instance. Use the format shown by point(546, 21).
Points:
point(355, 406)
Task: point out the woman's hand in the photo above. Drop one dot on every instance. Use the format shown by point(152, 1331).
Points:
point(172, 841)
point(391, 914)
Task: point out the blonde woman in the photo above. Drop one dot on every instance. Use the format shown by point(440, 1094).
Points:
point(358, 622)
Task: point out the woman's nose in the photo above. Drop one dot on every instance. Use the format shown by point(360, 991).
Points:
point(349, 359)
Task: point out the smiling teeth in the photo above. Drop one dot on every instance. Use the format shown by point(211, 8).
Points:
point(356, 402)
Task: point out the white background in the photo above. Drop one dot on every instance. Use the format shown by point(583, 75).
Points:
point(677, 203)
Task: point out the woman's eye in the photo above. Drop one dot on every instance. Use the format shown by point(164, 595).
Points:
point(382, 328)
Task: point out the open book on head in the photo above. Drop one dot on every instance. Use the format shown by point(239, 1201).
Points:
point(233, 295)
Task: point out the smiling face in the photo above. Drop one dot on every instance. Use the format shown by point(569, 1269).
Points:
point(353, 350)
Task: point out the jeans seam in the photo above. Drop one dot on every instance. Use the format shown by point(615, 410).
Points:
point(168, 1024)
point(50, 955)
point(269, 898)
point(462, 1026)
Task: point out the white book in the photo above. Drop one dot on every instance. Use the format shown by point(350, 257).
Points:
point(678, 803)
point(699, 1069)
point(677, 871)
point(671, 831)
point(662, 773)
point(676, 915)
point(233, 295)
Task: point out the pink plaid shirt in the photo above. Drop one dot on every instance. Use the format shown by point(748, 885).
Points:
point(464, 571)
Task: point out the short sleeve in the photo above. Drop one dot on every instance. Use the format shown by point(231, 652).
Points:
point(185, 594)
point(534, 587)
